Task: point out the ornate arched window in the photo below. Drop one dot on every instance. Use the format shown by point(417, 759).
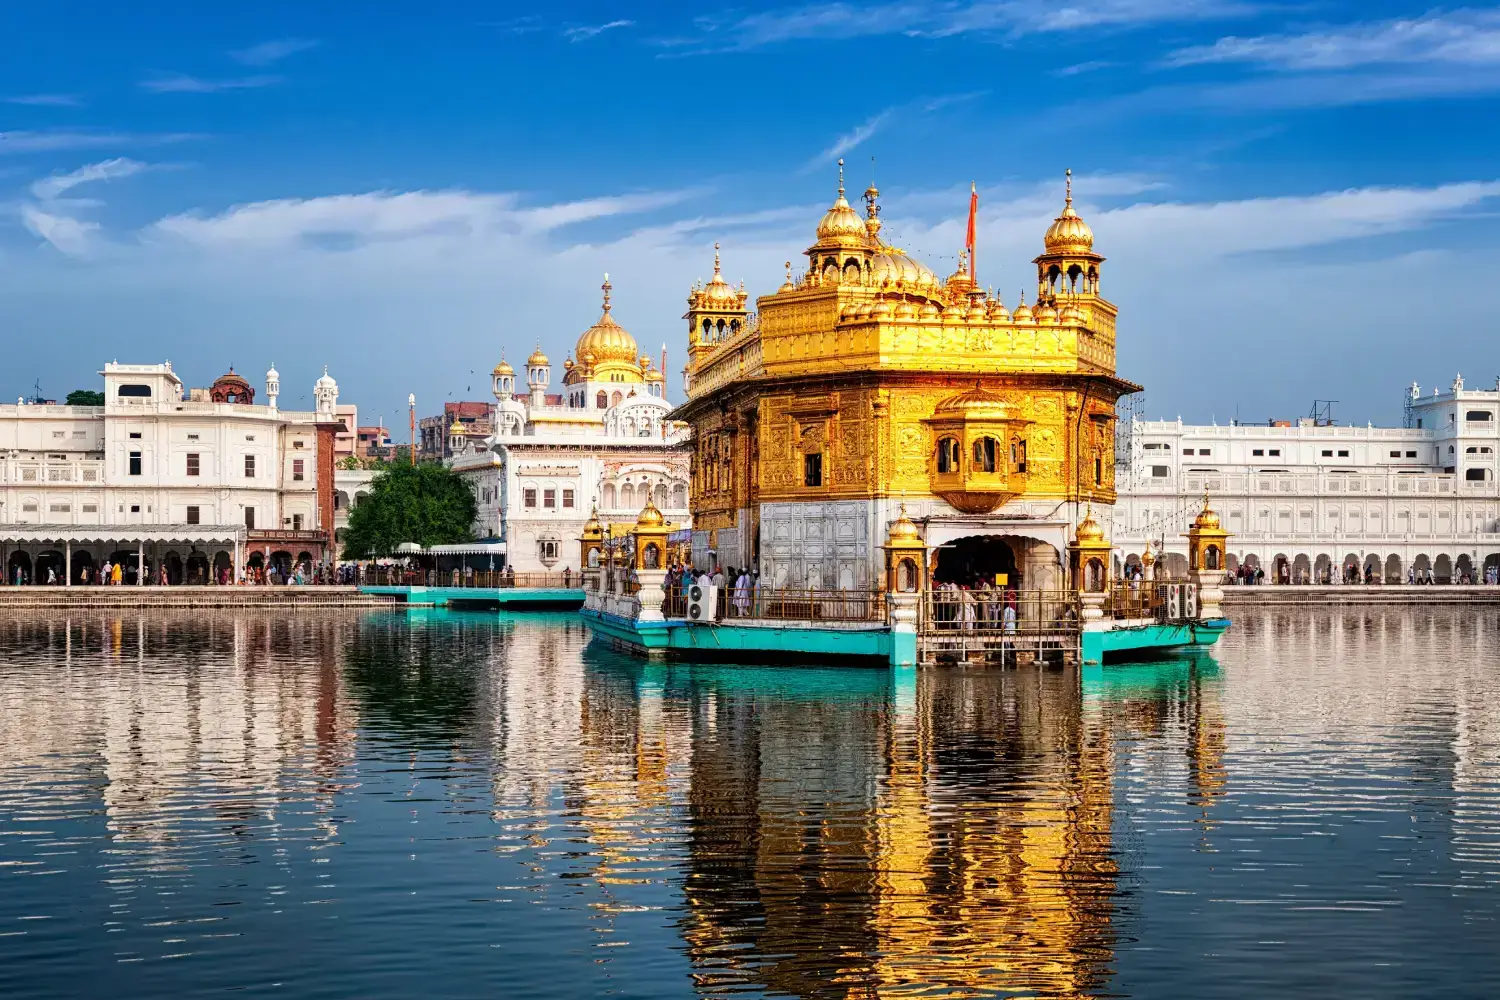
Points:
point(984, 454)
point(602, 400)
point(948, 455)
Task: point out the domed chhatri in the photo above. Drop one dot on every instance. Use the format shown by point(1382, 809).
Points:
point(503, 368)
point(537, 358)
point(903, 529)
point(1089, 529)
point(650, 516)
point(606, 342)
point(1068, 232)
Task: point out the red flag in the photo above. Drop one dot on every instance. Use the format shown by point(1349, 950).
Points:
point(973, 218)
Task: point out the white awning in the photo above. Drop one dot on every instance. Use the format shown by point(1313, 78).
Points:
point(459, 549)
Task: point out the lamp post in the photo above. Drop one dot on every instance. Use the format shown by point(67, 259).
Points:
point(411, 416)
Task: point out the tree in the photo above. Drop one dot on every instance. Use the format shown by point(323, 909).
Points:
point(428, 504)
point(85, 397)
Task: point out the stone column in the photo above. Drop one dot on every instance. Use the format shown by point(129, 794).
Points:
point(1093, 606)
point(140, 563)
point(651, 594)
point(1210, 592)
point(68, 563)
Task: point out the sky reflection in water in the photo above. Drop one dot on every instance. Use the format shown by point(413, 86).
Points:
point(379, 805)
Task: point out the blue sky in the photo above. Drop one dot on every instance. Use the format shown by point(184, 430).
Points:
point(1296, 200)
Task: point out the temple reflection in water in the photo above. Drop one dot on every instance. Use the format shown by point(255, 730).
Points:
point(805, 832)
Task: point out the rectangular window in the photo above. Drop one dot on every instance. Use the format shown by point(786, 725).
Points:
point(1327, 453)
point(249, 518)
point(135, 435)
point(1187, 451)
point(1344, 453)
point(135, 463)
point(296, 522)
point(249, 466)
point(1160, 472)
point(547, 549)
point(1205, 451)
point(299, 469)
point(1276, 452)
point(193, 515)
point(1258, 452)
point(60, 508)
point(58, 434)
point(1395, 454)
point(567, 499)
point(549, 499)
point(80, 435)
point(297, 444)
point(249, 437)
point(528, 496)
point(192, 437)
point(192, 463)
point(812, 469)
point(91, 508)
point(1411, 454)
point(135, 508)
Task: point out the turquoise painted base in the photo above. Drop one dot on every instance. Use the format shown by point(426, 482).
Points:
point(1141, 640)
point(679, 639)
point(502, 596)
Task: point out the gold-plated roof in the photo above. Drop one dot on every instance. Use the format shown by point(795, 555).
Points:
point(894, 266)
point(718, 292)
point(457, 428)
point(977, 403)
point(1088, 529)
point(606, 340)
point(1068, 232)
point(503, 368)
point(1207, 517)
point(537, 357)
point(902, 529)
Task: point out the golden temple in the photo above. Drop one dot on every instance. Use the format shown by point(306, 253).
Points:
point(868, 381)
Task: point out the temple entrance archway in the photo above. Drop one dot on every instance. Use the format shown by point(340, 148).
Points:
point(1442, 569)
point(83, 563)
point(1463, 570)
point(1323, 569)
point(195, 569)
point(224, 567)
point(1491, 568)
point(1301, 570)
point(975, 560)
point(1393, 570)
point(18, 568)
point(1373, 572)
point(50, 567)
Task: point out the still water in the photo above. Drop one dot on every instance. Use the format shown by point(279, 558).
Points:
point(377, 805)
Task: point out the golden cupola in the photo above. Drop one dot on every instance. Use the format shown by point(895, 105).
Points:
point(1069, 234)
point(716, 313)
point(841, 225)
point(718, 294)
point(503, 368)
point(537, 358)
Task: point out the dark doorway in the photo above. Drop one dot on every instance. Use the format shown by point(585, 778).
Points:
point(976, 560)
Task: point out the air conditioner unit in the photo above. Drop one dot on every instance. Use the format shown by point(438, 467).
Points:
point(1190, 600)
point(703, 602)
point(1174, 601)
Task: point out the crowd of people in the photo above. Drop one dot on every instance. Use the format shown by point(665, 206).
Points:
point(974, 606)
point(736, 602)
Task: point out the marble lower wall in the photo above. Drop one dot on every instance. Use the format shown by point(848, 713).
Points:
point(820, 546)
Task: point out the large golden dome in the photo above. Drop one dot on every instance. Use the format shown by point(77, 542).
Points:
point(896, 267)
point(606, 341)
point(1068, 232)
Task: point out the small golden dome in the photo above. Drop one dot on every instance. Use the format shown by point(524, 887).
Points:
point(1088, 529)
point(537, 358)
point(1046, 314)
point(902, 529)
point(592, 527)
point(1070, 315)
point(961, 282)
point(503, 368)
point(718, 292)
point(457, 428)
point(1147, 558)
point(1206, 518)
point(905, 310)
point(606, 340)
point(649, 517)
point(977, 403)
point(842, 224)
point(929, 310)
point(1023, 311)
point(1068, 232)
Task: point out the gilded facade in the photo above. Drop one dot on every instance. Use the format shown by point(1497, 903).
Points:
point(867, 381)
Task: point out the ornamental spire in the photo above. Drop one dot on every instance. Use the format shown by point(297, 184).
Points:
point(1068, 187)
point(606, 287)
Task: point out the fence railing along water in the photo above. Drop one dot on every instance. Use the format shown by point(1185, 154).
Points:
point(785, 605)
point(396, 576)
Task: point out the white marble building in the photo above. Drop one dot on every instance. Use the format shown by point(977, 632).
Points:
point(1308, 501)
point(604, 441)
point(194, 481)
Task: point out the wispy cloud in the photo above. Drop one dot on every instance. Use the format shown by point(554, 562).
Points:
point(941, 19)
point(1463, 37)
point(52, 187)
point(948, 100)
point(46, 100)
point(74, 237)
point(1084, 67)
point(274, 51)
point(582, 32)
point(181, 83)
point(355, 220)
point(851, 139)
point(50, 142)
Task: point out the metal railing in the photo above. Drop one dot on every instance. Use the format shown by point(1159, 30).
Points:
point(397, 576)
point(1002, 612)
point(762, 603)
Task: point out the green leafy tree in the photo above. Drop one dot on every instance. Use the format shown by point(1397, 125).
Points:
point(429, 504)
point(85, 397)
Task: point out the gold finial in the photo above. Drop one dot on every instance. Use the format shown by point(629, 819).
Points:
point(606, 287)
point(716, 258)
point(1023, 296)
point(1069, 187)
point(788, 272)
point(841, 176)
